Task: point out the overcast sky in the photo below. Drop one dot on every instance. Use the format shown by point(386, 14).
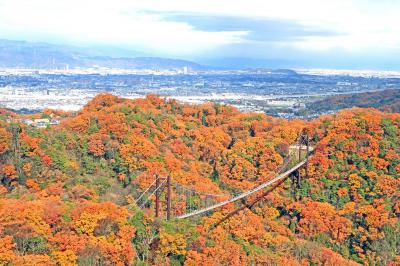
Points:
point(337, 33)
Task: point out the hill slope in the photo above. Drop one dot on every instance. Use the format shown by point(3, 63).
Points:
point(386, 100)
point(67, 193)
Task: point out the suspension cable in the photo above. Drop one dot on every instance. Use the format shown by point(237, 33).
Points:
point(165, 181)
point(144, 192)
point(201, 193)
point(245, 194)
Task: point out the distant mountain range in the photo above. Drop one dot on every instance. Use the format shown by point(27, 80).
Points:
point(39, 55)
point(244, 62)
point(15, 54)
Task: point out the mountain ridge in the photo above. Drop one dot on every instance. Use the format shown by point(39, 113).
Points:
point(40, 55)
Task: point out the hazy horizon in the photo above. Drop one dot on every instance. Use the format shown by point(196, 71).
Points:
point(342, 34)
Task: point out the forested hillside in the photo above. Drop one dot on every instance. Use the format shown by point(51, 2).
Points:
point(67, 193)
point(386, 100)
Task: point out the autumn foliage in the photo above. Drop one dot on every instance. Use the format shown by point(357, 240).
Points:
point(68, 193)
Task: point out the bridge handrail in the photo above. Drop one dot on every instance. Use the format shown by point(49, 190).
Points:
point(245, 194)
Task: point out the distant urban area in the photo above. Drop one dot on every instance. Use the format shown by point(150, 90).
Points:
point(282, 93)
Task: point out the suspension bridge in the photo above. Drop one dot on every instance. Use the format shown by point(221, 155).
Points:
point(189, 203)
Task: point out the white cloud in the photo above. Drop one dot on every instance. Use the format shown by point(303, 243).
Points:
point(363, 24)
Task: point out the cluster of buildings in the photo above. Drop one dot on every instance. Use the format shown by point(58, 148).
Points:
point(96, 70)
point(282, 93)
point(40, 122)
